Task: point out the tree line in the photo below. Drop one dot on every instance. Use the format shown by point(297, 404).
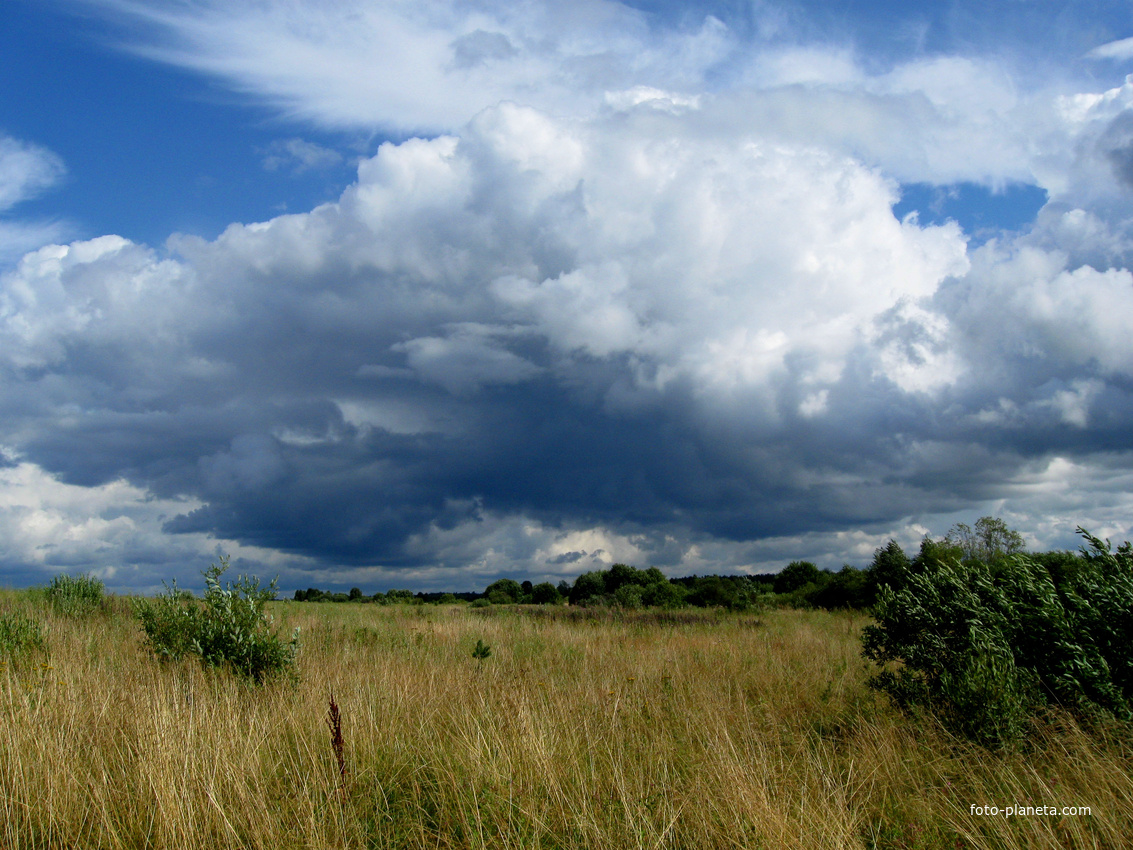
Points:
point(799, 584)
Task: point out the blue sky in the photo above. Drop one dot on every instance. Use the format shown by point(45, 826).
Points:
point(392, 294)
point(149, 150)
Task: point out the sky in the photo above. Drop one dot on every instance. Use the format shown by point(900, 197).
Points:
point(403, 294)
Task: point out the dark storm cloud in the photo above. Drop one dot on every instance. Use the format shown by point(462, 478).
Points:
point(1117, 146)
point(463, 338)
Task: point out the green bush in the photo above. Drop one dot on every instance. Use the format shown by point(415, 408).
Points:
point(664, 594)
point(588, 587)
point(228, 628)
point(796, 575)
point(734, 593)
point(545, 593)
point(628, 596)
point(505, 591)
point(20, 635)
point(986, 649)
point(75, 596)
point(843, 589)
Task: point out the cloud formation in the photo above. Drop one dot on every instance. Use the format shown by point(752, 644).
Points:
point(612, 312)
point(25, 171)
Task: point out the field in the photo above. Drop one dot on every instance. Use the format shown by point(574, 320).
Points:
point(698, 731)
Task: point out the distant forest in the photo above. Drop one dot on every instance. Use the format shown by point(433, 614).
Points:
point(800, 584)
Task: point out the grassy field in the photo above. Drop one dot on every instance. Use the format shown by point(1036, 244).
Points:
point(718, 731)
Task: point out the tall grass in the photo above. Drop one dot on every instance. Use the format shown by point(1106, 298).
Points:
point(574, 733)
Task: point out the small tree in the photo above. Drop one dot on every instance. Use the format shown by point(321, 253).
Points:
point(986, 649)
point(228, 628)
point(990, 541)
point(545, 593)
point(844, 589)
point(628, 596)
point(481, 651)
point(505, 591)
point(588, 587)
point(890, 566)
point(664, 594)
point(795, 575)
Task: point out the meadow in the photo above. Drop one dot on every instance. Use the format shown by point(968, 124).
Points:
point(694, 729)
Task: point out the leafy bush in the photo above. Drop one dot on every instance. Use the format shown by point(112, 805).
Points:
point(481, 651)
point(986, 650)
point(20, 635)
point(75, 596)
point(664, 594)
point(588, 587)
point(545, 593)
point(890, 565)
point(795, 575)
point(734, 593)
point(504, 591)
point(846, 588)
point(228, 628)
point(628, 596)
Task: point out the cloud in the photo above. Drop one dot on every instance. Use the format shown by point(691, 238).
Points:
point(644, 299)
point(25, 171)
point(1120, 50)
point(404, 67)
point(299, 156)
point(614, 327)
point(944, 112)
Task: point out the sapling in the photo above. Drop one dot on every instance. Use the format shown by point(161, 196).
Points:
point(481, 652)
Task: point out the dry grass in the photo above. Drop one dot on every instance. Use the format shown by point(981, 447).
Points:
point(575, 733)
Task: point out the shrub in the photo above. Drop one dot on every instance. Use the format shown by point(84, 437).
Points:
point(732, 592)
point(588, 587)
point(481, 651)
point(628, 596)
point(990, 541)
point(545, 593)
point(844, 589)
point(985, 651)
point(75, 596)
point(20, 635)
point(622, 575)
point(228, 628)
point(890, 565)
point(795, 575)
point(504, 591)
point(664, 594)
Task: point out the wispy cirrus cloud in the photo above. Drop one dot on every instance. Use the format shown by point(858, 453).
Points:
point(298, 156)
